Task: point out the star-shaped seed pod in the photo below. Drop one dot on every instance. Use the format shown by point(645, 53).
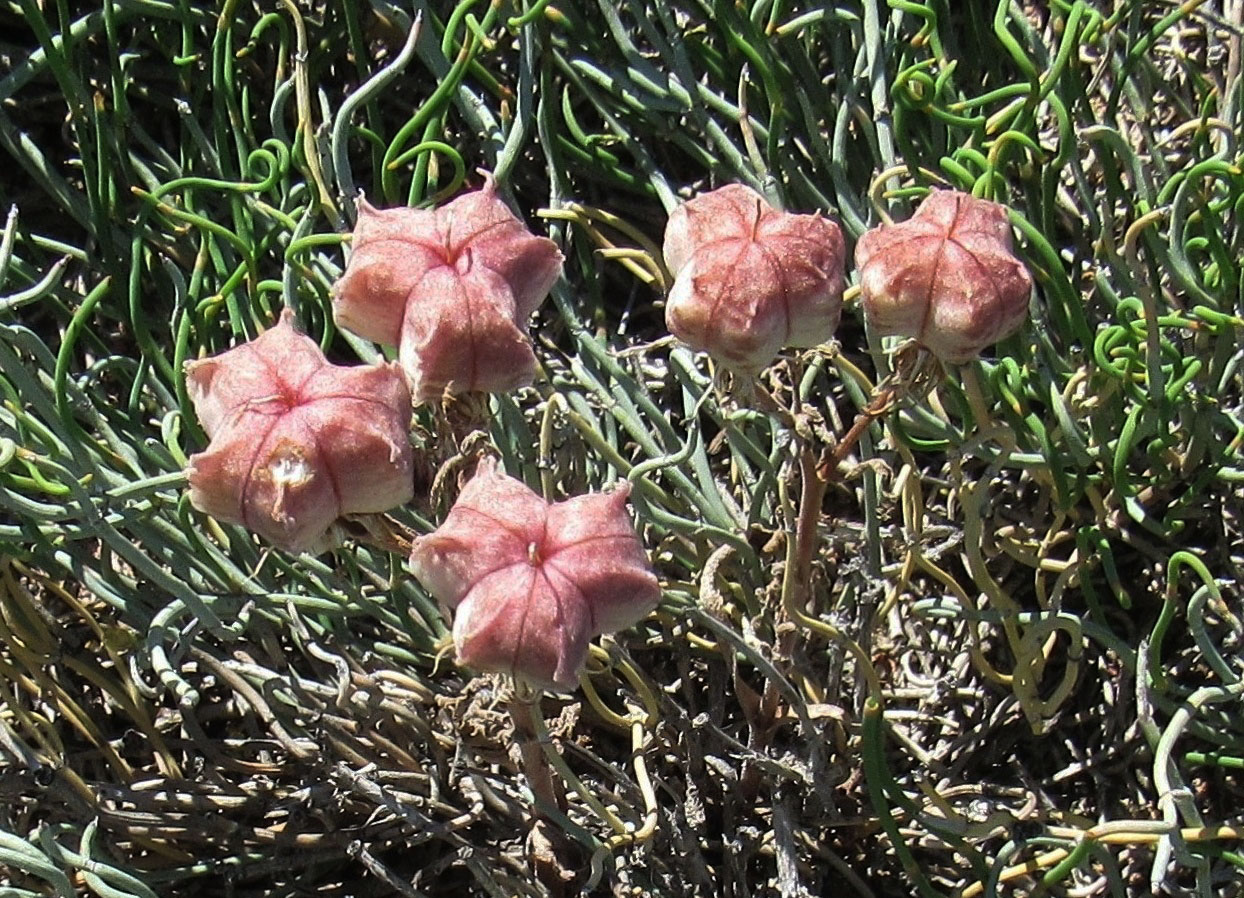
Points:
point(533, 582)
point(452, 288)
point(750, 280)
point(297, 442)
point(947, 276)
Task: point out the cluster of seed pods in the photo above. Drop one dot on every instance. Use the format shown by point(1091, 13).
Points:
point(296, 443)
point(750, 280)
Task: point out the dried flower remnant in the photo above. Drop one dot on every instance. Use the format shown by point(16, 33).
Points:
point(947, 276)
point(452, 288)
point(750, 280)
point(533, 582)
point(297, 442)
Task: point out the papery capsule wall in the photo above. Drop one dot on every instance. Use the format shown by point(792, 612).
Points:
point(297, 442)
point(452, 288)
point(750, 280)
point(532, 582)
point(947, 276)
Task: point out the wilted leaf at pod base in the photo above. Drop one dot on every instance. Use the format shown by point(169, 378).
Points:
point(452, 288)
point(297, 442)
point(947, 276)
point(532, 582)
point(750, 280)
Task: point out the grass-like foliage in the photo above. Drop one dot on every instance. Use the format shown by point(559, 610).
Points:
point(992, 648)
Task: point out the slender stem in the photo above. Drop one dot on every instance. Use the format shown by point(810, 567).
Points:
point(523, 712)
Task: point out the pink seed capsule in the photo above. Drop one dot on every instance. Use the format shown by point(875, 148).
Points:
point(297, 442)
point(750, 280)
point(532, 582)
point(947, 276)
point(452, 288)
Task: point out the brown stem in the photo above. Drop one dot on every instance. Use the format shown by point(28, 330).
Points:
point(815, 476)
point(546, 839)
point(881, 402)
point(535, 764)
point(796, 593)
point(812, 494)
